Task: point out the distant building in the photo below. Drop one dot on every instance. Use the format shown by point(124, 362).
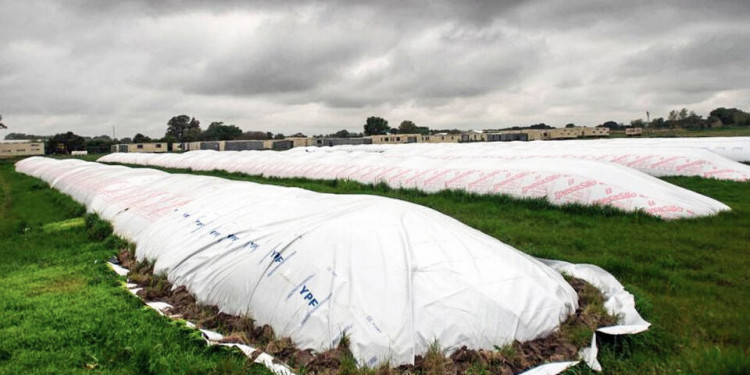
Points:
point(516, 135)
point(331, 141)
point(506, 137)
point(302, 141)
point(394, 138)
point(9, 149)
point(633, 132)
point(277, 144)
point(563, 133)
point(291, 142)
point(546, 134)
point(474, 136)
point(154, 147)
point(242, 145)
point(239, 145)
point(595, 132)
point(440, 138)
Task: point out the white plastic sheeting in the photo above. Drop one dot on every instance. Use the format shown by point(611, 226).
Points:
point(653, 160)
point(395, 276)
point(734, 148)
point(559, 180)
point(617, 301)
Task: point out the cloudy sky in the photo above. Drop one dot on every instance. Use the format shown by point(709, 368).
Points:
point(318, 67)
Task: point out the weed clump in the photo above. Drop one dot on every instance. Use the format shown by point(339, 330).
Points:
point(589, 316)
point(96, 228)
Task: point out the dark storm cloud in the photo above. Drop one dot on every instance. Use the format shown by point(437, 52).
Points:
point(321, 66)
point(433, 51)
point(343, 66)
point(445, 64)
point(708, 52)
point(474, 11)
point(692, 70)
point(281, 56)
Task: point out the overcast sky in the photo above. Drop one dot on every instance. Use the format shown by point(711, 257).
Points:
point(318, 67)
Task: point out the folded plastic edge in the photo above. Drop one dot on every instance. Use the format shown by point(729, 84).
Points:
point(211, 337)
point(617, 301)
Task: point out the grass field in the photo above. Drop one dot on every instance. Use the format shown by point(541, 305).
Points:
point(63, 311)
point(690, 278)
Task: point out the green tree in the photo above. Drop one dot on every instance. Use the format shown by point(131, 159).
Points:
point(376, 126)
point(638, 123)
point(140, 138)
point(658, 123)
point(731, 116)
point(541, 126)
point(726, 116)
point(693, 121)
point(611, 125)
point(683, 114)
point(713, 121)
point(64, 143)
point(343, 133)
point(99, 144)
point(192, 135)
point(571, 125)
point(184, 128)
point(217, 131)
point(279, 136)
point(407, 127)
point(168, 139)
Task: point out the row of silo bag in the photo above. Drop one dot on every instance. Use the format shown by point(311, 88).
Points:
point(394, 276)
point(621, 177)
point(717, 158)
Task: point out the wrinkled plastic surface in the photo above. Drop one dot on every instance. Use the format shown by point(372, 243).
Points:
point(654, 160)
point(734, 148)
point(393, 275)
point(696, 148)
point(558, 180)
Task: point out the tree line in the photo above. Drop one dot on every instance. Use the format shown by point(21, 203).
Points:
point(676, 119)
point(686, 119)
point(184, 128)
point(379, 126)
point(181, 128)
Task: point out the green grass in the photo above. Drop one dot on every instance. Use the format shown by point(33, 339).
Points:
point(691, 277)
point(62, 310)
